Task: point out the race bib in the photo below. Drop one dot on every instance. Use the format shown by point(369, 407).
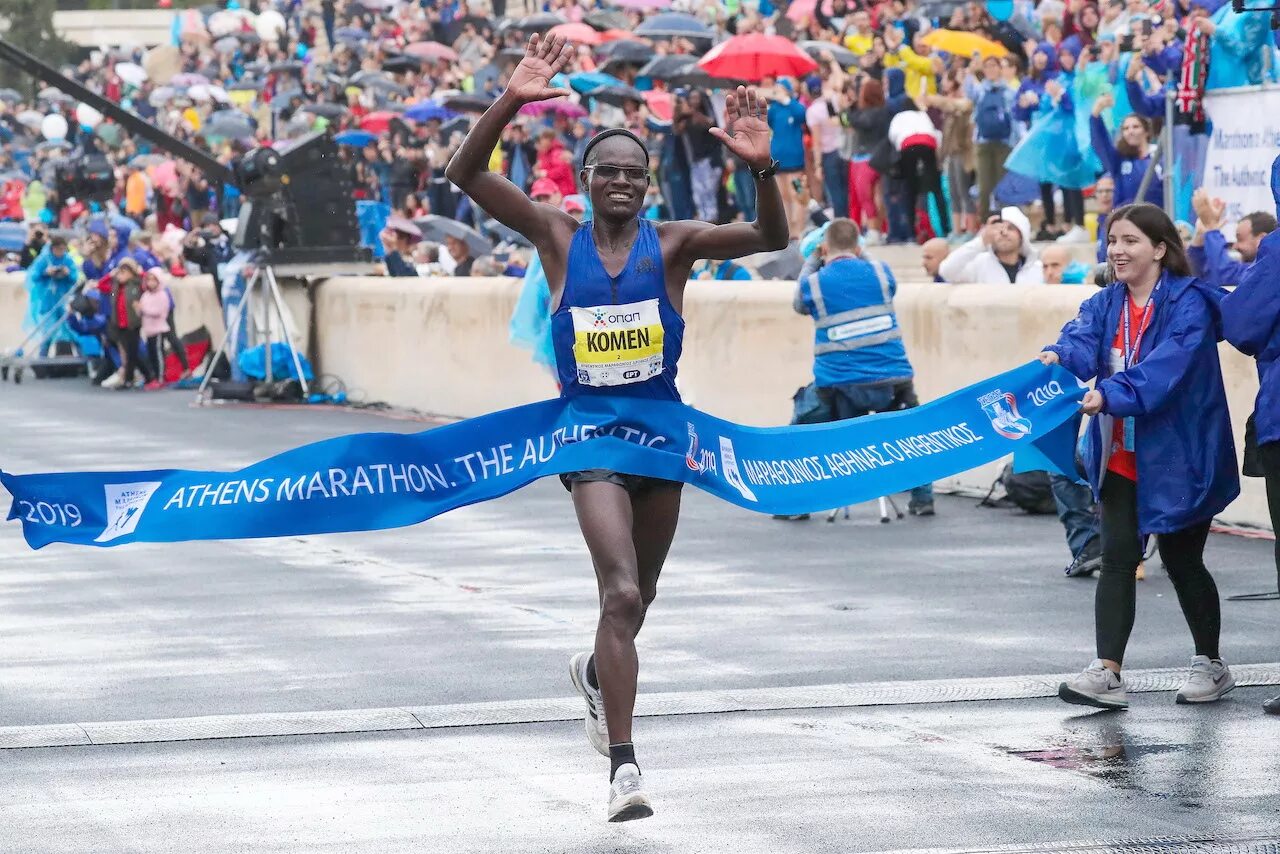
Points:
point(617, 344)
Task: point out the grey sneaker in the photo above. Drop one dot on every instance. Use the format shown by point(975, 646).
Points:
point(1209, 681)
point(627, 799)
point(597, 729)
point(1095, 686)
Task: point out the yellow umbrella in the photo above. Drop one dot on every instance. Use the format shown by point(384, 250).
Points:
point(961, 43)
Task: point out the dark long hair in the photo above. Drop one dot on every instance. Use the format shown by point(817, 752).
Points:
point(1153, 222)
point(1123, 148)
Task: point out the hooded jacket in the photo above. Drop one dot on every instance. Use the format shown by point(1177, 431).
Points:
point(1250, 316)
point(976, 263)
point(1034, 82)
point(1185, 452)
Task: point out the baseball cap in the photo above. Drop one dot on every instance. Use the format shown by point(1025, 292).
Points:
point(543, 187)
point(573, 203)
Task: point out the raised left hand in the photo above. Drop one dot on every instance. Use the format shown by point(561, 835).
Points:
point(748, 133)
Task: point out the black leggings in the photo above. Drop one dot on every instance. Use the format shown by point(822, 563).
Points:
point(1269, 457)
point(1072, 205)
point(1183, 555)
point(919, 164)
point(129, 341)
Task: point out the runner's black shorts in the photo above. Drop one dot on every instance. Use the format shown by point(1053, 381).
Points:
point(634, 484)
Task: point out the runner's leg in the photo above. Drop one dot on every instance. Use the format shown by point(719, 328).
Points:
point(656, 512)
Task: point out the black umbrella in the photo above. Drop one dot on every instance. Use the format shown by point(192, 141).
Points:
point(455, 27)
point(539, 23)
point(673, 25)
point(401, 64)
point(282, 100)
point(626, 51)
point(617, 95)
point(10, 96)
point(329, 111)
point(468, 103)
point(505, 234)
point(696, 78)
point(842, 55)
point(292, 67)
point(666, 67)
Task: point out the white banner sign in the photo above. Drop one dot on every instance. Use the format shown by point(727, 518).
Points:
point(1245, 140)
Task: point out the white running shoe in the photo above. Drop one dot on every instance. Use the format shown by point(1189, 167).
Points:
point(1075, 234)
point(597, 728)
point(872, 237)
point(114, 381)
point(627, 799)
point(1209, 681)
point(1095, 686)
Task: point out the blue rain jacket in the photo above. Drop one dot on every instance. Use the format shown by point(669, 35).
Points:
point(1249, 318)
point(1185, 452)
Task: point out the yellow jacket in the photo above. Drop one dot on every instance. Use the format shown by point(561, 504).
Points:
point(858, 44)
point(917, 68)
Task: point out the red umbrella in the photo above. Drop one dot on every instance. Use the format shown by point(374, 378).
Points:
point(753, 56)
point(579, 33)
point(615, 35)
point(661, 104)
point(432, 51)
point(378, 122)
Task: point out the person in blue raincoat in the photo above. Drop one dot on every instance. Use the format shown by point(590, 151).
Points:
point(1241, 51)
point(1127, 158)
point(50, 278)
point(1250, 316)
point(1158, 452)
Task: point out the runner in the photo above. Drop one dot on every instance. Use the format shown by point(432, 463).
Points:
point(623, 275)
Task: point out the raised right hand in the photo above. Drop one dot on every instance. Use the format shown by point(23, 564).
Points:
point(1104, 102)
point(543, 59)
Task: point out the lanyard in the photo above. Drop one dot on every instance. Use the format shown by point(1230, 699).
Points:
point(1131, 354)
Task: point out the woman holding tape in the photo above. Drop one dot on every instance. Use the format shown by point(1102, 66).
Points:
point(1158, 452)
point(617, 289)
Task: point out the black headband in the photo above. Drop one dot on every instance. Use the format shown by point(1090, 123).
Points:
point(605, 134)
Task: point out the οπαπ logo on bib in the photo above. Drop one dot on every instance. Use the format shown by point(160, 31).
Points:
point(1002, 409)
point(125, 503)
point(617, 344)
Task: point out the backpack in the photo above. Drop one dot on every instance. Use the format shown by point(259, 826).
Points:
point(992, 116)
point(1028, 490)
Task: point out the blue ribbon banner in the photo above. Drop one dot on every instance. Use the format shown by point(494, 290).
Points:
point(372, 481)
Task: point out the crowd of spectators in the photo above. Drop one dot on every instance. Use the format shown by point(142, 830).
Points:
point(917, 119)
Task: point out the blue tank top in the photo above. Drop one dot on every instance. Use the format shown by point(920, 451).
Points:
point(617, 335)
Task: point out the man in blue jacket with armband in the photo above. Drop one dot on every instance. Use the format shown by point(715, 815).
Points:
point(860, 365)
point(1207, 251)
point(1251, 322)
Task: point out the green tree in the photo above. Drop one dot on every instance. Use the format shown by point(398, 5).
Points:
point(28, 24)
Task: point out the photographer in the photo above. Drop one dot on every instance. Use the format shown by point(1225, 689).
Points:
point(35, 244)
point(209, 248)
point(860, 365)
point(49, 278)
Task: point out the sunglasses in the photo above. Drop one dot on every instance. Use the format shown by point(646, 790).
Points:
point(609, 172)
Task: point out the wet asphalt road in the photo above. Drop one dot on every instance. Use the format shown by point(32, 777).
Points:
point(485, 605)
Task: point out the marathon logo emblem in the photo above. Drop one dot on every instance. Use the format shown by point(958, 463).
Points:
point(617, 344)
point(1002, 409)
point(125, 503)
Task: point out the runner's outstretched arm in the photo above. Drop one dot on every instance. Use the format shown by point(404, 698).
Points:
point(469, 167)
point(747, 137)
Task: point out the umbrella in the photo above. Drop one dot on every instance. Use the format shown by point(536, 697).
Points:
point(246, 85)
point(189, 79)
point(539, 23)
point(960, 43)
point(131, 73)
point(30, 118)
point(425, 111)
point(282, 100)
point(401, 64)
point(10, 96)
point(666, 67)
point(50, 144)
point(229, 124)
point(578, 33)
point(641, 4)
point(842, 55)
point(672, 25)
point(696, 78)
point(608, 20)
point(617, 95)
point(350, 35)
point(291, 66)
point(480, 22)
point(270, 25)
point(49, 93)
point(165, 175)
point(161, 63)
point(203, 94)
point(437, 228)
point(110, 134)
point(404, 226)
point(635, 53)
point(378, 122)
point(145, 161)
point(661, 104)
point(383, 84)
point(248, 38)
point(13, 236)
point(468, 103)
point(752, 56)
point(328, 110)
point(585, 81)
point(783, 265)
point(226, 22)
point(559, 106)
point(800, 10)
point(161, 96)
point(503, 233)
point(434, 50)
point(354, 138)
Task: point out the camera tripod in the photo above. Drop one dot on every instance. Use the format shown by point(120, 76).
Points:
point(262, 284)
